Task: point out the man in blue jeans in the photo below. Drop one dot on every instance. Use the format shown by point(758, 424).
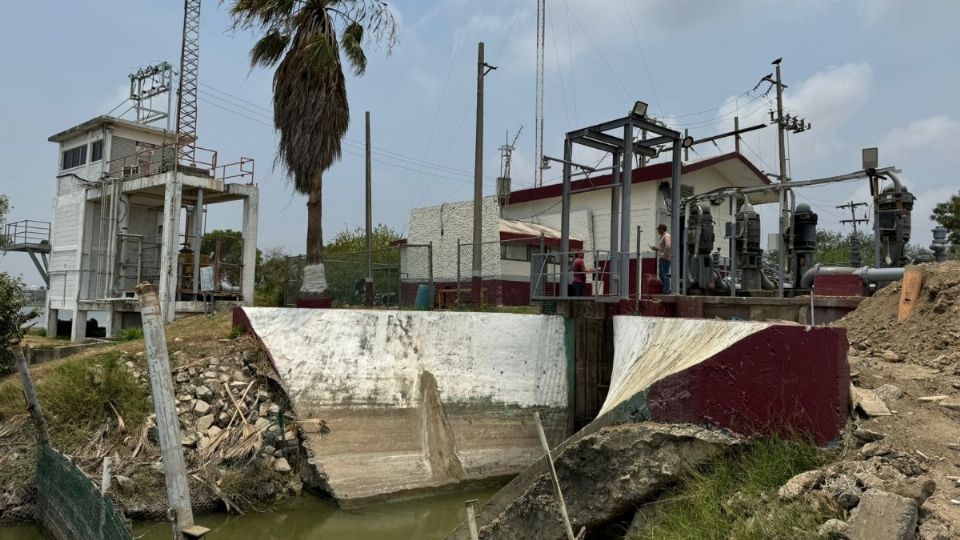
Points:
point(663, 249)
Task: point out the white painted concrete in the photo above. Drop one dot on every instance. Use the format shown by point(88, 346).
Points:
point(648, 349)
point(373, 358)
point(369, 375)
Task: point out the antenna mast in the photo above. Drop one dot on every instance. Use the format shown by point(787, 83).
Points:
point(187, 89)
point(538, 125)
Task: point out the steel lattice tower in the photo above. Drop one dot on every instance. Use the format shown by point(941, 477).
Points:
point(538, 125)
point(187, 89)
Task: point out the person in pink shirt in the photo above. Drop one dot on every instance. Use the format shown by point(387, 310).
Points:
point(579, 270)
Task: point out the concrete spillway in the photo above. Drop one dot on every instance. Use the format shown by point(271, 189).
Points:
point(415, 401)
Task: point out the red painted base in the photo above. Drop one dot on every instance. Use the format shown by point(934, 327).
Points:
point(315, 303)
point(785, 380)
point(839, 286)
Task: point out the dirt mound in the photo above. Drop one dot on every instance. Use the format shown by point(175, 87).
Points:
point(928, 337)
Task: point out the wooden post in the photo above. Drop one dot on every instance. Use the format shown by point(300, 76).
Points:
point(165, 404)
point(909, 291)
point(553, 476)
point(30, 396)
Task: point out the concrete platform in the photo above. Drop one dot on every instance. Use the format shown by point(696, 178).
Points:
point(417, 401)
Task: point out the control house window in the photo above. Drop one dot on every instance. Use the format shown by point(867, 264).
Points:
point(74, 157)
point(96, 151)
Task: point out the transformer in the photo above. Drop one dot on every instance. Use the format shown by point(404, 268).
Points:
point(803, 247)
point(894, 208)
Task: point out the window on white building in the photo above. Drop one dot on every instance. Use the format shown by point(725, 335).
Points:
point(514, 252)
point(96, 151)
point(74, 157)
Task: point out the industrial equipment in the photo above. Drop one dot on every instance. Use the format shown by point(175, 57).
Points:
point(747, 248)
point(803, 245)
point(699, 243)
point(894, 206)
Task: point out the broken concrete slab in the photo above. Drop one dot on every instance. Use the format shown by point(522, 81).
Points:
point(603, 475)
point(883, 516)
point(868, 402)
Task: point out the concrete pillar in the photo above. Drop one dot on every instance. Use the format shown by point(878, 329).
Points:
point(114, 323)
point(78, 330)
point(170, 245)
point(52, 315)
point(251, 205)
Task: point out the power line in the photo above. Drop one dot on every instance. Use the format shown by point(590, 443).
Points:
point(613, 72)
point(643, 57)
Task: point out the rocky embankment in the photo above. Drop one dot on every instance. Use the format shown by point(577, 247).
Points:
point(240, 440)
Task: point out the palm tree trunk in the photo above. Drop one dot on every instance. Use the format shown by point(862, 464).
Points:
point(315, 221)
point(313, 289)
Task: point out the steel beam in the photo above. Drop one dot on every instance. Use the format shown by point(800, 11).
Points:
point(626, 181)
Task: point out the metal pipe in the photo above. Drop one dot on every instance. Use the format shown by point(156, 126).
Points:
point(820, 270)
point(873, 275)
point(676, 172)
point(733, 246)
point(616, 180)
point(565, 220)
point(626, 181)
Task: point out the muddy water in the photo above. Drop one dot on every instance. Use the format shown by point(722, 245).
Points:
point(310, 518)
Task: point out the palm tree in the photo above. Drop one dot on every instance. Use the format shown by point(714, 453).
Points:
point(305, 39)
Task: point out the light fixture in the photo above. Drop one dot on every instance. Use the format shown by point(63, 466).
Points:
point(687, 142)
point(871, 158)
point(639, 109)
point(544, 163)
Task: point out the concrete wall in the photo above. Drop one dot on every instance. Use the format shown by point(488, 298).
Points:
point(417, 400)
point(443, 225)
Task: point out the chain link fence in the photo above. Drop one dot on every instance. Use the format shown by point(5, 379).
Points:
point(346, 274)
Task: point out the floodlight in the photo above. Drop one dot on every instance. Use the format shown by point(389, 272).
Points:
point(871, 158)
point(544, 163)
point(687, 142)
point(640, 109)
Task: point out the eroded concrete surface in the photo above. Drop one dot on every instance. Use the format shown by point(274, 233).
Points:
point(416, 401)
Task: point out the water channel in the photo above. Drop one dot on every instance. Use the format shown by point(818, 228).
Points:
point(312, 518)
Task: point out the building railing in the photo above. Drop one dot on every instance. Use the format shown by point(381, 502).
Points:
point(161, 159)
point(26, 232)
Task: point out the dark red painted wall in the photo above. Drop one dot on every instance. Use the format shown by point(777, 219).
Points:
point(783, 380)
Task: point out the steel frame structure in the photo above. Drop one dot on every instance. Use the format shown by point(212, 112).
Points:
point(187, 89)
point(622, 148)
point(147, 83)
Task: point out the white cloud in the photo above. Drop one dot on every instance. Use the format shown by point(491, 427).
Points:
point(939, 134)
point(829, 99)
point(923, 19)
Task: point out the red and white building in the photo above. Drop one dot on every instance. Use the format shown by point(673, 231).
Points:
point(513, 230)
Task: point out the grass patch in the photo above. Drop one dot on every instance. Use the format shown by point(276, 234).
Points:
point(76, 396)
point(130, 334)
point(734, 497)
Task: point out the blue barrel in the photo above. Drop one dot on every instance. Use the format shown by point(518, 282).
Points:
point(424, 297)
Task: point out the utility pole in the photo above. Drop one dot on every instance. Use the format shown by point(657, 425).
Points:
point(368, 283)
point(482, 69)
point(796, 125)
point(855, 259)
point(538, 122)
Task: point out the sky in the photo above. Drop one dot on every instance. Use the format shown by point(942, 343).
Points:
point(862, 72)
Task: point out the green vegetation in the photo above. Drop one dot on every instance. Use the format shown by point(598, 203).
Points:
point(735, 497)
point(4, 208)
point(346, 264)
point(130, 334)
point(947, 215)
point(13, 315)
point(79, 395)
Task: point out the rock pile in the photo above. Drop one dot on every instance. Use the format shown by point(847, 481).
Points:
point(928, 337)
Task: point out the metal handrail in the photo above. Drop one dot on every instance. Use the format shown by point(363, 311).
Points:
point(27, 232)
